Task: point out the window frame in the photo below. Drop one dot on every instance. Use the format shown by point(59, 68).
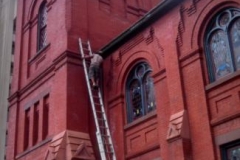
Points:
point(224, 148)
point(132, 76)
point(26, 129)
point(213, 26)
point(42, 28)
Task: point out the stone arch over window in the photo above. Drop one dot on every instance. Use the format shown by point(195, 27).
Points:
point(222, 44)
point(42, 26)
point(140, 94)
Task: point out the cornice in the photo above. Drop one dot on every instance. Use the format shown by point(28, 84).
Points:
point(67, 57)
point(13, 98)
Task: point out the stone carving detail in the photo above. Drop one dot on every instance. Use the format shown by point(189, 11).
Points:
point(189, 12)
point(181, 28)
point(149, 38)
point(82, 152)
point(131, 44)
point(192, 8)
point(178, 126)
point(63, 147)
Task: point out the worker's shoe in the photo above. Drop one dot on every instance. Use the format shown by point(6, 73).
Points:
point(95, 87)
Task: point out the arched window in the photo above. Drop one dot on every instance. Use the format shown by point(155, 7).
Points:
point(223, 44)
point(140, 92)
point(42, 26)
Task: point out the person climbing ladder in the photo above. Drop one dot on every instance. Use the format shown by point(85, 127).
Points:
point(94, 69)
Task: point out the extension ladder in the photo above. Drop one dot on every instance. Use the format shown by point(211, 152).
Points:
point(103, 133)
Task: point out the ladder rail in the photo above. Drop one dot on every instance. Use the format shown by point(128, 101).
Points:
point(104, 140)
point(88, 84)
point(106, 124)
point(100, 142)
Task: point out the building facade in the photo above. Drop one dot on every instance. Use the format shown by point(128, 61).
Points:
point(49, 103)
point(170, 80)
point(7, 16)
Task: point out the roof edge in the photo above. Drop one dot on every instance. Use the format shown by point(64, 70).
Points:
point(154, 14)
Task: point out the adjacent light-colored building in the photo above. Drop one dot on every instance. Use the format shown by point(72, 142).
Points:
point(7, 16)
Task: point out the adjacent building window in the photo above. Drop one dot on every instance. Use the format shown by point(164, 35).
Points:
point(45, 117)
point(26, 129)
point(223, 44)
point(140, 92)
point(35, 123)
point(231, 151)
point(42, 26)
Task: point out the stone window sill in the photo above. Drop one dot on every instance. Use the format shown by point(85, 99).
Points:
point(141, 120)
point(40, 144)
point(39, 54)
point(222, 80)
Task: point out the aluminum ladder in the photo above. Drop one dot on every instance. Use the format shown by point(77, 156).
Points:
point(103, 133)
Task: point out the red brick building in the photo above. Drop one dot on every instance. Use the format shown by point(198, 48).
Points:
point(170, 81)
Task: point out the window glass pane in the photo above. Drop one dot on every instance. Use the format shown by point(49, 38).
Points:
point(26, 129)
point(235, 41)
point(42, 25)
point(43, 16)
point(223, 44)
point(140, 92)
point(234, 153)
point(43, 38)
point(140, 71)
point(136, 99)
point(149, 93)
point(224, 19)
point(231, 151)
point(219, 52)
point(236, 12)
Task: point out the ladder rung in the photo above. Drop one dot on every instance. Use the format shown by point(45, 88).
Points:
point(84, 43)
point(108, 152)
point(98, 104)
point(99, 112)
point(103, 127)
point(109, 144)
point(103, 135)
point(100, 119)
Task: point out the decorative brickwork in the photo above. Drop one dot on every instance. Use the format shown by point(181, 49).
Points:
point(189, 11)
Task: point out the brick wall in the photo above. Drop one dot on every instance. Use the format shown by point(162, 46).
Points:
point(175, 52)
point(56, 69)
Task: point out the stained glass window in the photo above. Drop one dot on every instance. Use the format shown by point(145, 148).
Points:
point(231, 151)
point(140, 92)
point(235, 39)
point(42, 26)
point(223, 44)
point(149, 93)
